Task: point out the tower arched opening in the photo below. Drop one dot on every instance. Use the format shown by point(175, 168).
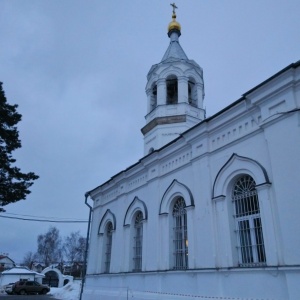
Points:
point(153, 97)
point(172, 89)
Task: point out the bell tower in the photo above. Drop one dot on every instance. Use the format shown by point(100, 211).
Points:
point(175, 94)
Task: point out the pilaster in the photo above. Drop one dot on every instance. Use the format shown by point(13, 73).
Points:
point(200, 94)
point(182, 89)
point(223, 251)
point(148, 93)
point(267, 220)
point(191, 239)
point(161, 91)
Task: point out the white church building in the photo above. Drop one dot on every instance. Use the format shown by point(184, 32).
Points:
point(212, 209)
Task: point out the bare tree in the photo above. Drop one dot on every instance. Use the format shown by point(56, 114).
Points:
point(49, 246)
point(29, 259)
point(74, 246)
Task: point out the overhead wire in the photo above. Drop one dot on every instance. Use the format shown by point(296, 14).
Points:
point(46, 217)
point(41, 219)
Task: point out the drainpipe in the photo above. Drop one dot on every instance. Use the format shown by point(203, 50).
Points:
point(87, 244)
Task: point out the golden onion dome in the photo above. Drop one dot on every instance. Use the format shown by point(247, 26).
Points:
point(174, 25)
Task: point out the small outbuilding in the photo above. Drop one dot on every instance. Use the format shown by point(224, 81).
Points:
point(19, 273)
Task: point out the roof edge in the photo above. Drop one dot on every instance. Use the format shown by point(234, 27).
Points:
point(290, 66)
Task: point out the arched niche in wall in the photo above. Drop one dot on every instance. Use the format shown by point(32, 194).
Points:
point(107, 217)
point(135, 205)
point(235, 166)
point(175, 190)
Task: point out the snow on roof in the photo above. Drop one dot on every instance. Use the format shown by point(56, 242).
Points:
point(21, 271)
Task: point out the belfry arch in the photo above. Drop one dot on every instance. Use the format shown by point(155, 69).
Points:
point(153, 96)
point(172, 89)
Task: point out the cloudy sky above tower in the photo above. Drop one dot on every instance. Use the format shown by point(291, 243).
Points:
point(77, 69)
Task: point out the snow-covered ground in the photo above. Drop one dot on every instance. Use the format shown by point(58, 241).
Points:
point(70, 291)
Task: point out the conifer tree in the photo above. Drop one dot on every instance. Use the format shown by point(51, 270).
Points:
point(14, 185)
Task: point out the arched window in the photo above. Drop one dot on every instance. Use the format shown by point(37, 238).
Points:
point(250, 241)
point(180, 237)
point(172, 90)
point(138, 242)
point(108, 244)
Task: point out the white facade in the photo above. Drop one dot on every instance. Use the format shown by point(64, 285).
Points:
point(212, 214)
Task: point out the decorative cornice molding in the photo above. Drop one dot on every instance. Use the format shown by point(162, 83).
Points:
point(163, 121)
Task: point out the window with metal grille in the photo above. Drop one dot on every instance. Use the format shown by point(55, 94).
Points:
point(138, 242)
point(250, 241)
point(109, 230)
point(180, 238)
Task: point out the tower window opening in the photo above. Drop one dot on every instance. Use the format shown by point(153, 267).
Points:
point(192, 93)
point(172, 90)
point(153, 100)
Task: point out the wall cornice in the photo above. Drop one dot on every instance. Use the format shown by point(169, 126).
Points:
point(240, 120)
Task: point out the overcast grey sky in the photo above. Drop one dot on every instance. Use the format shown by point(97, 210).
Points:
point(77, 69)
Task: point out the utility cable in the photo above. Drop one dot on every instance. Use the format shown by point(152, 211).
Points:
point(43, 220)
point(39, 217)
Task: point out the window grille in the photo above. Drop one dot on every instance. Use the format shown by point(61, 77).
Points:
point(250, 241)
point(108, 245)
point(180, 240)
point(138, 242)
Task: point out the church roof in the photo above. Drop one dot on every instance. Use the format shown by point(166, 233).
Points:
point(243, 98)
point(174, 51)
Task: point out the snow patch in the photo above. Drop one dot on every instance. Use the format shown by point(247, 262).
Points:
point(70, 291)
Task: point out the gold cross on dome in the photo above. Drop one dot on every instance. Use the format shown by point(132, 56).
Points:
point(174, 7)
